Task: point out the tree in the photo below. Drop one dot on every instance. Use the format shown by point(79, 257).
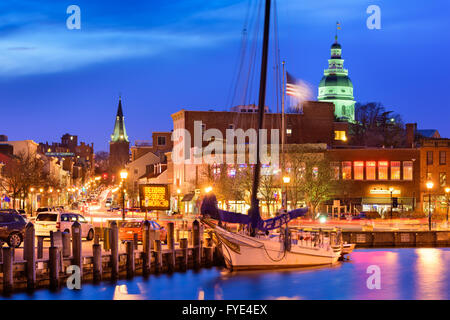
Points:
point(311, 175)
point(101, 161)
point(377, 127)
point(24, 171)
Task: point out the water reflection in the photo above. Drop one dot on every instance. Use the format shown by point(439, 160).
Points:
point(432, 279)
point(405, 274)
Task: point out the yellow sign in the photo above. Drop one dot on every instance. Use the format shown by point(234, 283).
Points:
point(384, 191)
point(154, 197)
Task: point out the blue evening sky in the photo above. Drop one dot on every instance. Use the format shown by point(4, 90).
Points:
point(164, 55)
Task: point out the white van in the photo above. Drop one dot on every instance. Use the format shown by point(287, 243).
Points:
point(61, 221)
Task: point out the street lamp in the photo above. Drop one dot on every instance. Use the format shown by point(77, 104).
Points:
point(391, 189)
point(447, 191)
point(123, 176)
point(286, 180)
point(430, 185)
point(208, 189)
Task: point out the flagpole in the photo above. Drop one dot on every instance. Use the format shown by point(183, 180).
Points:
point(283, 129)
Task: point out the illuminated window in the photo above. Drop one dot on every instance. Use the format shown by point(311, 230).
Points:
point(407, 170)
point(371, 167)
point(336, 170)
point(289, 131)
point(340, 135)
point(442, 179)
point(383, 170)
point(358, 167)
point(395, 170)
point(346, 170)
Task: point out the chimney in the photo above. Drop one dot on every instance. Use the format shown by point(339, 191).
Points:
point(410, 134)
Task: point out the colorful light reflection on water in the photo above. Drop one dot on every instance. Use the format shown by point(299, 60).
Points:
point(405, 274)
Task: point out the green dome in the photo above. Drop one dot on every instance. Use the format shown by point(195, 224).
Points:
point(336, 46)
point(333, 80)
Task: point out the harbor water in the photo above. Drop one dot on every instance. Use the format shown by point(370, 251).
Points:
point(406, 273)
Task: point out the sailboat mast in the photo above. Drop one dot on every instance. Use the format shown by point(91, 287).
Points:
point(254, 210)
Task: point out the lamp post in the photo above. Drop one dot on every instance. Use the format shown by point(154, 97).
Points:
point(391, 189)
point(430, 185)
point(123, 176)
point(447, 191)
point(286, 180)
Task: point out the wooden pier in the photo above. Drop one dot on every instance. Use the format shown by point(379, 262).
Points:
point(33, 272)
point(405, 239)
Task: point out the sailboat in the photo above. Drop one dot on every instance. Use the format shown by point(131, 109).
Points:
point(255, 247)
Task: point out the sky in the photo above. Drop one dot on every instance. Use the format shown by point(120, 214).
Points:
point(162, 56)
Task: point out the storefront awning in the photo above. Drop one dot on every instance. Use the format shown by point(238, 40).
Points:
point(387, 200)
point(188, 197)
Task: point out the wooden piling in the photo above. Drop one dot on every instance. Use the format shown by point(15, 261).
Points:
point(184, 247)
point(135, 241)
point(196, 243)
point(97, 263)
point(77, 246)
point(190, 238)
point(40, 247)
point(8, 261)
point(114, 245)
point(146, 245)
point(130, 259)
point(66, 249)
point(158, 259)
point(171, 245)
point(54, 256)
point(30, 255)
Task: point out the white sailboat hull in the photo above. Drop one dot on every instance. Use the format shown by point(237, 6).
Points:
point(264, 253)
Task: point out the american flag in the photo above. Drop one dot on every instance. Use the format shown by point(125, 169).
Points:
point(292, 89)
point(297, 88)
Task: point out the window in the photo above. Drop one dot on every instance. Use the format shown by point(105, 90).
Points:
point(358, 167)
point(442, 179)
point(340, 135)
point(429, 176)
point(395, 170)
point(371, 167)
point(347, 170)
point(442, 157)
point(383, 170)
point(336, 170)
point(429, 157)
point(161, 141)
point(289, 131)
point(407, 170)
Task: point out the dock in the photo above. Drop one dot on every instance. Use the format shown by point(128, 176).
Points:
point(106, 262)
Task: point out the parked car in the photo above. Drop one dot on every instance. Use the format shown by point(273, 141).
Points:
point(129, 228)
point(43, 209)
point(12, 228)
point(62, 221)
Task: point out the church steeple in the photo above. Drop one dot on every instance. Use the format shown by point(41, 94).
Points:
point(119, 134)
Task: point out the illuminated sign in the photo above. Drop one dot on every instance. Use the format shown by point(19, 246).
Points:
point(60, 154)
point(384, 191)
point(154, 197)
